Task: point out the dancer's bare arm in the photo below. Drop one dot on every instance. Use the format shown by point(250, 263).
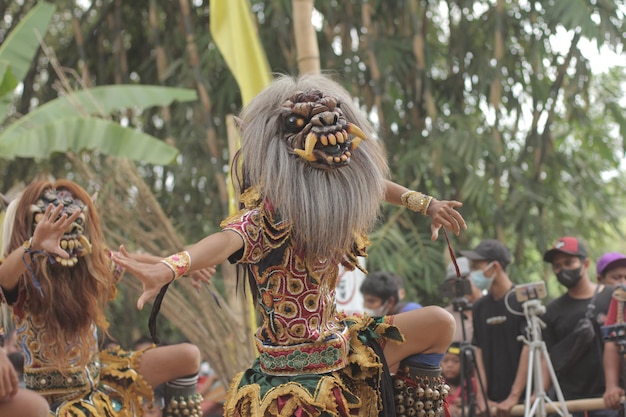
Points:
point(212, 250)
point(197, 276)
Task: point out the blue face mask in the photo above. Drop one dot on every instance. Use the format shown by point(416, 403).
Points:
point(480, 280)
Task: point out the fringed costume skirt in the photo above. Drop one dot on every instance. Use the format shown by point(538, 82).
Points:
point(351, 391)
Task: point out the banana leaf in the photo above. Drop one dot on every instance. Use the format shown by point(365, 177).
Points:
point(20, 47)
point(98, 100)
point(76, 134)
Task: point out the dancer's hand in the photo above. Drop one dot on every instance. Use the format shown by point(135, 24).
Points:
point(50, 230)
point(443, 213)
point(153, 275)
point(8, 377)
point(202, 276)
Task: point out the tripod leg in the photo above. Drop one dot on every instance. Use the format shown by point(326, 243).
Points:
point(529, 382)
point(555, 381)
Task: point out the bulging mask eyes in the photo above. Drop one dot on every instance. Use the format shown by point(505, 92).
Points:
point(294, 123)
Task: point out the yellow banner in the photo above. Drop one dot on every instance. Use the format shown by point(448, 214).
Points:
point(236, 37)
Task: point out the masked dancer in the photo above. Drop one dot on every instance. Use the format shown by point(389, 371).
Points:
point(57, 277)
point(312, 179)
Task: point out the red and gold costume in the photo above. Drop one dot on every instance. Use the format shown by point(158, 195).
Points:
point(312, 360)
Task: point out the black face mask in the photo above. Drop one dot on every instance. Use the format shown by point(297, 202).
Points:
point(569, 277)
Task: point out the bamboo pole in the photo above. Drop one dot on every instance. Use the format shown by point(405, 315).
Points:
point(306, 38)
point(583, 404)
point(368, 44)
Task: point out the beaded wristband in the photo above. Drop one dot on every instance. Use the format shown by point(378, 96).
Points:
point(416, 201)
point(179, 263)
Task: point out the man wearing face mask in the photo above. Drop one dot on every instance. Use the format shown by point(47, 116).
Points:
point(381, 295)
point(501, 359)
point(584, 377)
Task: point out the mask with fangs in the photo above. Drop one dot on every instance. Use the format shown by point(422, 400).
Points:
point(317, 131)
point(74, 240)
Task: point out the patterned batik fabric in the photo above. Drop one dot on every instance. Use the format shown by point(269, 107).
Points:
point(311, 359)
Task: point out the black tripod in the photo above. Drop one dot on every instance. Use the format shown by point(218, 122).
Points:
point(468, 367)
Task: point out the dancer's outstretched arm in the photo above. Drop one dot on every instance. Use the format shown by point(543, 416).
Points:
point(443, 213)
point(212, 250)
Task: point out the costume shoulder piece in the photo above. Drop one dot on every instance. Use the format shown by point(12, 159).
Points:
point(250, 199)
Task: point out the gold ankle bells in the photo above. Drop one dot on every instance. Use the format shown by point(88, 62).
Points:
point(179, 263)
point(416, 201)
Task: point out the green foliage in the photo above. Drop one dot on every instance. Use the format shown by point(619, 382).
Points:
point(19, 48)
point(527, 137)
point(67, 124)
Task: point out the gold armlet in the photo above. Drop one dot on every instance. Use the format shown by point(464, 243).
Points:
point(416, 201)
point(179, 263)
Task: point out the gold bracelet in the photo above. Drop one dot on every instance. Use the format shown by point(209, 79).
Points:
point(28, 244)
point(416, 201)
point(179, 263)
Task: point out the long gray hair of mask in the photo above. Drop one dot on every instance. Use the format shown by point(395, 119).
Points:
point(326, 207)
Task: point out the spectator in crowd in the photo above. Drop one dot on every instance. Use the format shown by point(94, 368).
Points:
point(611, 269)
point(462, 294)
point(501, 358)
point(614, 349)
point(380, 295)
point(575, 349)
point(451, 370)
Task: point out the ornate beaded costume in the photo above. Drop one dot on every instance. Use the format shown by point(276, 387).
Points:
point(318, 355)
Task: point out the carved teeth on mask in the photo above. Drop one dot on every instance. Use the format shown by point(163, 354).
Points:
point(307, 153)
point(358, 133)
point(85, 244)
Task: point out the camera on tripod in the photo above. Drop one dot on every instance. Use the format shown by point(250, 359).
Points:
point(456, 288)
point(530, 291)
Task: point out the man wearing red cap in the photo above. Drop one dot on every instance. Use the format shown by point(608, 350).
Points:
point(578, 364)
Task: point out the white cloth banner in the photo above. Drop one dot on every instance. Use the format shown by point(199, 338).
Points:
point(348, 295)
